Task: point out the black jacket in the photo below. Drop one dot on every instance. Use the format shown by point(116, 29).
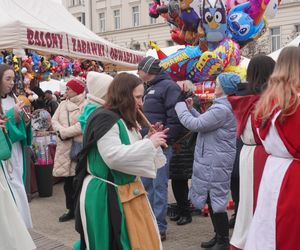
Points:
point(159, 101)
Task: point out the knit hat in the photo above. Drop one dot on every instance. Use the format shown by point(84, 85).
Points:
point(97, 85)
point(229, 82)
point(149, 65)
point(76, 85)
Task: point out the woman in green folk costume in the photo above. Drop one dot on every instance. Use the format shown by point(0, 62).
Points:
point(13, 232)
point(19, 132)
point(116, 154)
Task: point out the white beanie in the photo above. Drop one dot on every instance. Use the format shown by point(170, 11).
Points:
point(97, 86)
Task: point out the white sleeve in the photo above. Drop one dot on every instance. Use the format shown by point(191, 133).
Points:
point(139, 158)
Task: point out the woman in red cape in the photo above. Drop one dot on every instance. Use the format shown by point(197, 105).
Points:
point(251, 157)
point(275, 224)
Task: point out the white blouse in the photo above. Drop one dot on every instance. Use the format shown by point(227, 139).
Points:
point(139, 158)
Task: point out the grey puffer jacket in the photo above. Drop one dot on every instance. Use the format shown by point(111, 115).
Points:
point(214, 153)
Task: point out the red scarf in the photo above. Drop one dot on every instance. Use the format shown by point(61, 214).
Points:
point(242, 107)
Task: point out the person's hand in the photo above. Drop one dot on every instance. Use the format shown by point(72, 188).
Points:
point(2, 123)
point(157, 127)
point(189, 103)
point(18, 109)
point(159, 139)
point(27, 117)
point(19, 106)
point(183, 86)
point(3, 120)
point(184, 95)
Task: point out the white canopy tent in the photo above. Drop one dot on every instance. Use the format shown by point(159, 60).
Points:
point(168, 50)
point(295, 42)
point(46, 26)
point(54, 85)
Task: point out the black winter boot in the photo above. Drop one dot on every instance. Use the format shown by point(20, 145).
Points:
point(213, 241)
point(184, 220)
point(210, 243)
point(185, 215)
point(222, 243)
point(222, 230)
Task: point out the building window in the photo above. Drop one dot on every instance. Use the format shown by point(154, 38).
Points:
point(136, 46)
point(117, 19)
point(102, 22)
point(76, 2)
point(298, 29)
point(275, 35)
point(83, 18)
point(136, 16)
point(170, 43)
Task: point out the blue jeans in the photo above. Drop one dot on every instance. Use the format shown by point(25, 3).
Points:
point(158, 192)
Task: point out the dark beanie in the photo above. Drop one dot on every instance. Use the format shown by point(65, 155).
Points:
point(150, 65)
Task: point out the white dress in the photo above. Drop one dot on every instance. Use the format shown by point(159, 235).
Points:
point(13, 168)
point(13, 233)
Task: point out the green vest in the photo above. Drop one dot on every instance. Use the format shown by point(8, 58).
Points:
point(96, 206)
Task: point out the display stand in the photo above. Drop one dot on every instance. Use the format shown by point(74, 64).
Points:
point(44, 144)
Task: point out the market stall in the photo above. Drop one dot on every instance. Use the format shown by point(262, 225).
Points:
point(42, 40)
point(48, 27)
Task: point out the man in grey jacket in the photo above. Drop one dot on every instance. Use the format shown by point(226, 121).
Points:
point(214, 155)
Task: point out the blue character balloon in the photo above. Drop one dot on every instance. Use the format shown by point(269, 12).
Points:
point(243, 26)
point(214, 23)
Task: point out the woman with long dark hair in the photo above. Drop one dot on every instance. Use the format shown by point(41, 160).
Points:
point(251, 156)
point(19, 131)
point(115, 156)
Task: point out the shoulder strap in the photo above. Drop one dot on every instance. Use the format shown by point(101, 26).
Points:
point(123, 132)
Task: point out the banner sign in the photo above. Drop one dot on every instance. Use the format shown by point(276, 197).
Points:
point(80, 47)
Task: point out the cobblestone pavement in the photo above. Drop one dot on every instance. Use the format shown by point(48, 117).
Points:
point(45, 213)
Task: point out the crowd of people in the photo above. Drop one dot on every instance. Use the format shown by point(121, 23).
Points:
point(120, 139)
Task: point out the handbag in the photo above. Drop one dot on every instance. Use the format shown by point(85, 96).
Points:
point(139, 218)
point(75, 147)
point(5, 145)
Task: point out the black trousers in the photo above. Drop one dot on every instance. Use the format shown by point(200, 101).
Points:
point(181, 191)
point(235, 175)
point(69, 193)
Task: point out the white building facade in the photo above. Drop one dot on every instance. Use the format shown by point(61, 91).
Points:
point(127, 23)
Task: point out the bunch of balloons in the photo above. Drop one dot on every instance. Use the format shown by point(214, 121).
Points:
point(215, 34)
